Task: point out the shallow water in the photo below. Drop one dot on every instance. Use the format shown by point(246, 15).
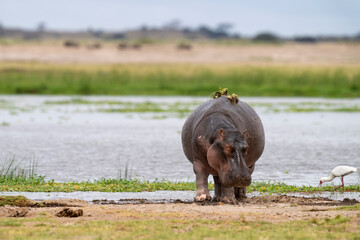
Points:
point(77, 142)
point(157, 196)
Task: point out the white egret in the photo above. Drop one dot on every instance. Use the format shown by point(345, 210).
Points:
point(339, 171)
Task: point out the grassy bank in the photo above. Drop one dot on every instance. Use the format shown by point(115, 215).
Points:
point(38, 184)
point(180, 79)
point(172, 226)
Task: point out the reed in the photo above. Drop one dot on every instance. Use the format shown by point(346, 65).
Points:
point(13, 172)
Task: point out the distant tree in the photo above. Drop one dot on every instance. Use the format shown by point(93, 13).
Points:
point(117, 35)
point(357, 36)
point(266, 37)
point(236, 36)
point(41, 27)
point(173, 25)
point(224, 28)
point(305, 39)
point(144, 28)
point(1, 30)
point(95, 33)
point(210, 33)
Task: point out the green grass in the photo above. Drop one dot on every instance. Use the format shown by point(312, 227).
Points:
point(19, 201)
point(180, 79)
point(349, 208)
point(38, 184)
point(145, 228)
point(270, 187)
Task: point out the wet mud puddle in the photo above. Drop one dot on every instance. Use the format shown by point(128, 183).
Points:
point(161, 197)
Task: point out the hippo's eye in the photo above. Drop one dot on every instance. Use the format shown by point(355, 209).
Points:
point(228, 148)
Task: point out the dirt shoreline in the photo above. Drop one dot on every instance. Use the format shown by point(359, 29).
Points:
point(273, 209)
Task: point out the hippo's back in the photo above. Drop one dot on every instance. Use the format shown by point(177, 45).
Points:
point(241, 115)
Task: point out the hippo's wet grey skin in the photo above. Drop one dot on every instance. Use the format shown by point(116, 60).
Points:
point(225, 140)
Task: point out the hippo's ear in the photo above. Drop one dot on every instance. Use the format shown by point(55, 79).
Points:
point(221, 133)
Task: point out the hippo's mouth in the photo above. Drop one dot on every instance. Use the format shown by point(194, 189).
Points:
point(237, 183)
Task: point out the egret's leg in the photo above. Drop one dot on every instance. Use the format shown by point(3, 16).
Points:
point(342, 184)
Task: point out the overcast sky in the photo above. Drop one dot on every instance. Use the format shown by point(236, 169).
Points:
point(284, 17)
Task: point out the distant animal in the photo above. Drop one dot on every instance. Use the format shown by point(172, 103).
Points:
point(184, 46)
point(225, 139)
point(94, 46)
point(122, 46)
point(136, 46)
point(339, 171)
point(70, 43)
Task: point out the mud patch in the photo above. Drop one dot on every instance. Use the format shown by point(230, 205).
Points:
point(61, 203)
point(300, 201)
point(260, 208)
point(258, 200)
point(139, 201)
point(8, 211)
point(68, 212)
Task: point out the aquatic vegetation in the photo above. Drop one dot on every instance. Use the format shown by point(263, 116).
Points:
point(127, 107)
point(12, 171)
point(187, 107)
point(274, 187)
point(38, 184)
point(306, 107)
point(125, 173)
point(180, 79)
point(5, 124)
point(102, 185)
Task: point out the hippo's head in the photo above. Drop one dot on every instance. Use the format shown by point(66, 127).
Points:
point(227, 156)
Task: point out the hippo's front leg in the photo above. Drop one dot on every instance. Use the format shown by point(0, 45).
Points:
point(240, 192)
point(202, 174)
point(217, 185)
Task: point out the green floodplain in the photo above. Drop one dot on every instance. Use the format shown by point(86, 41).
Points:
point(180, 79)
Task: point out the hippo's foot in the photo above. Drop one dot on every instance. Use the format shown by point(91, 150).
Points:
point(228, 196)
point(229, 200)
point(202, 197)
point(215, 198)
point(240, 192)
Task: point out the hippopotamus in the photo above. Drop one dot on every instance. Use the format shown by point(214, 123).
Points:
point(223, 139)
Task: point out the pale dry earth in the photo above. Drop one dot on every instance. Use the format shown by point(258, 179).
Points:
point(273, 209)
point(287, 53)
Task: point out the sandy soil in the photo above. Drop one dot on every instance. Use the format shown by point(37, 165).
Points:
point(264, 208)
point(322, 53)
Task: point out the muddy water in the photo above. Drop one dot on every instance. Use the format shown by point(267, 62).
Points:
point(77, 142)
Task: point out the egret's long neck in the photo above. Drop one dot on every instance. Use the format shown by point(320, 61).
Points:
point(328, 179)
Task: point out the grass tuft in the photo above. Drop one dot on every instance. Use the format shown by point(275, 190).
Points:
point(18, 201)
